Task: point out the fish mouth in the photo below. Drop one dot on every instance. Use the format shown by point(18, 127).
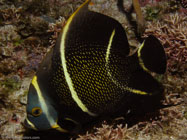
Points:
point(29, 125)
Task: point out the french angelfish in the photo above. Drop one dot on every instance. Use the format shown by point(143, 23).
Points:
point(92, 73)
point(89, 73)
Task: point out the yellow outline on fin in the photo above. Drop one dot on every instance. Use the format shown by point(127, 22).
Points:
point(140, 59)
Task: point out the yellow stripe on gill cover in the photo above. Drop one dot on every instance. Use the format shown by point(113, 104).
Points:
point(63, 60)
point(110, 75)
point(42, 101)
point(31, 124)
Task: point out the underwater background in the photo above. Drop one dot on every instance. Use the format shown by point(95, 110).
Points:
point(29, 29)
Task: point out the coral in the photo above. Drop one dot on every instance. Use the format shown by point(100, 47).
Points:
point(145, 2)
point(9, 13)
point(169, 123)
point(152, 12)
point(106, 132)
point(55, 29)
point(8, 33)
point(172, 32)
point(183, 3)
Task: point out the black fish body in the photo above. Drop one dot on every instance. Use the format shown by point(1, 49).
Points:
point(92, 73)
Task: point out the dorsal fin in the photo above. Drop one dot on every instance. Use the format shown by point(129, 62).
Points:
point(86, 28)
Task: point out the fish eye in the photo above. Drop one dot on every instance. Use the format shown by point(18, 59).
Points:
point(36, 111)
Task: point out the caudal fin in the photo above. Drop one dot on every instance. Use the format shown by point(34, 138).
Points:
point(152, 56)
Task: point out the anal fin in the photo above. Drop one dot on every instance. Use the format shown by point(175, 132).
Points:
point(142, 81)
